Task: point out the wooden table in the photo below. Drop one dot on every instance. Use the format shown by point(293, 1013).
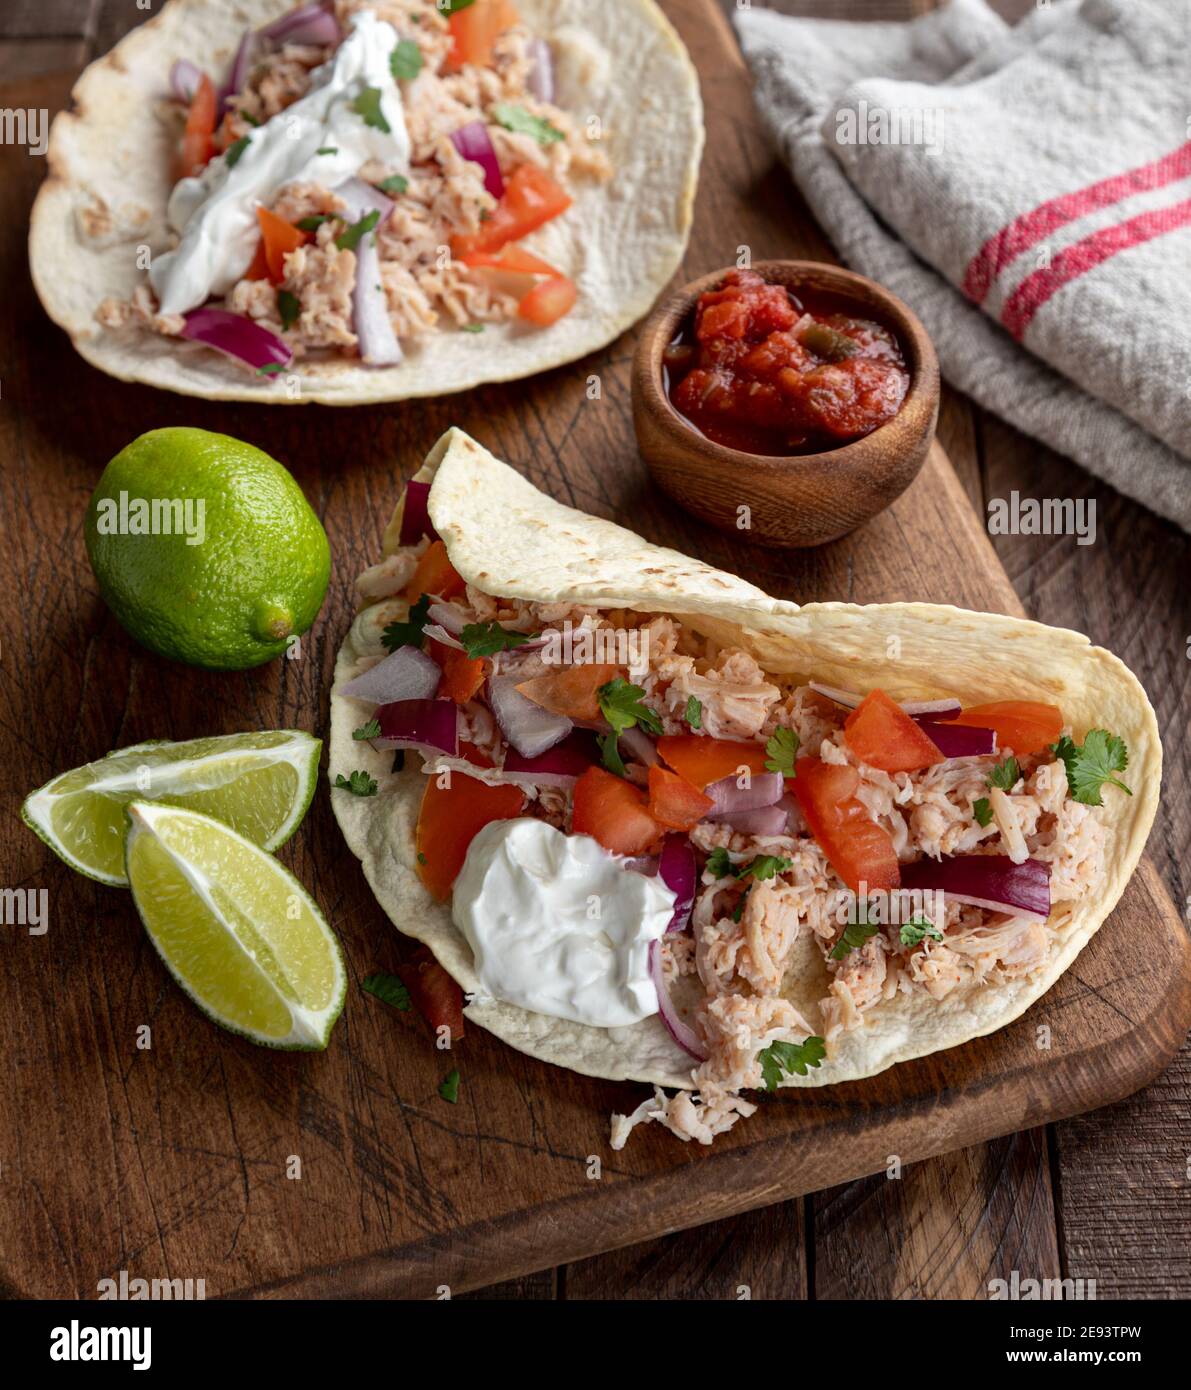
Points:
point(1102, 1197)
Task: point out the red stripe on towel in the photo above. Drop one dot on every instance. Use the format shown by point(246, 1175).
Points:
point(1077, 260)
point(1032, 227)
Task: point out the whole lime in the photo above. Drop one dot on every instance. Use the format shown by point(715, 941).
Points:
point(205, 549)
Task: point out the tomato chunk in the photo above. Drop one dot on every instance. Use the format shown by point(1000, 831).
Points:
point(531, 198)
point(859, 850)
point(570, 690)
point(279, 238)
point(674, 801)
point(451, 817)
point(883, 735)
point(548, 302)
point(614, 812)
point(476, 28)
point(702, 760)
point(1026, 726)
point(198, 140)
point(434, 575)
point(462, 675)
point(435, 995)
point(514, 258)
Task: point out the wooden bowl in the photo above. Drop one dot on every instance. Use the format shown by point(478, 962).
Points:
point(810, 498)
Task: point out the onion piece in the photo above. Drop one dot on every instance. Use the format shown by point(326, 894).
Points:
point(541, 74)
point(474, 143)
point(370, 309)
point(639, 746)
point(312, 24)
point(185, 77)
point(991, 881)
point(239, 337)
point(415, 518)
point(682, 1032)
point(644, 864)
point(560, 766)
point(241, 67)
point(528, 727)
point(421, 724)
point(448, 615)
point(730, 800)
point(679, 873)
point(406, 674)
point(440, 634)
point(765, 820)
point(850, 699)
point(958, 740)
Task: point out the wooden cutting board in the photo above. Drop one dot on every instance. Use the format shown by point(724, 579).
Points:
point(344, 1174)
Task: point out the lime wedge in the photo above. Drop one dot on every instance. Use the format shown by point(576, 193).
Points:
point(260, 783)
point(234, 927)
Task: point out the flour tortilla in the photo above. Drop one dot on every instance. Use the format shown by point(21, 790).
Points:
point(507, 538)
point(110, 160)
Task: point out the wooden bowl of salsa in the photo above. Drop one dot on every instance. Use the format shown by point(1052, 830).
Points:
point(789, 402)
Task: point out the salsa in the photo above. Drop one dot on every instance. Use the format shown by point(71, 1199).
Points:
point(762, 370)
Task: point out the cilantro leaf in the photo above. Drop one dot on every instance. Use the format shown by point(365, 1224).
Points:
point(610, 754)
point(786, 1058)
point(312, 224)
point(782, 748)
point(486, 639)
point(387, 987)
point(517, 118)
point(350, 239)
point(473, 328)
point(855, 935)
point(1004, 775)
point(982, 811)
point(367, 731)
point(328, 149)
point(395, 183)
point(620, 704)
point(359, 784)
point(764, 866)
point(270, 369)
point(719, 864)
point(1091, 765)
point(739, 913)
point(913, 933)
point(408, 633)
point(289, 307)
point(405, 61)
point(367, 104)
point(233, 152)
point(449, 1090)
point(450, 7)
point(693, 714)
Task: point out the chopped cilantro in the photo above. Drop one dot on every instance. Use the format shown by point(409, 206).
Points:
point(408, 633)
point(739, 913)
point(782, 748)
point(405, 61)
point(244, 116)
point(719, 864)
point(350, 239)
point(289, 307)
point(785, 1058)
point(234, 151)
point(486, 639)
point(764, 866)
point(449, 1090)
point(855, 935)
point(270, 369)
point(387, 987)
point(367, 104)
point(312, 224)
point(328, 149)
point(395, 183)
point(1004, 775)
point(693, 714)
point(913, 933)
point(610, 754)
point(982, 811)
point(421, 857)
point(473, 328)
point(450, 7)
point(517, 118)
point(1091, 765)
point(359, 784)
point(367, 731)
point(620, 704)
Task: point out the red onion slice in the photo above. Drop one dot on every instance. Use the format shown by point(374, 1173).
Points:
point(765, 820)
point(448, 615)
point(528, 727)
point(370, 309)
point(730, 800)
point(937, 709)
point(406, 674)
point(185, 77)
point(239, 337)
point(637, 744)
point(679, 873)
point(958, 740)
point(421, 724)
point(559, 766)
point(682, 1033)
point(541, 74)
point(474, 143)
point(991, 881)
point(415, 517)
point(440, 634)
point(312, 24)
point(241, 66)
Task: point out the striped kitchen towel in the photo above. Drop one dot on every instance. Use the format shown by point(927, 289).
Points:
point(1028, 192)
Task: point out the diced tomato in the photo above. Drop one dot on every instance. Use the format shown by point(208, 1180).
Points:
point(880, 733)
point(198, 140)
point(514, 258)
point(674, 802)
point(452, 816)
point(1026, 726)
point(279, 238)
point(475, 29)
point(613, 812)
point(548, 302)
point(462, 675)
point(259, 269)
point(702, 760)
point(858, 849)
point(570, 690)
point(435, 995)
point(531, 198)
point(434, 575)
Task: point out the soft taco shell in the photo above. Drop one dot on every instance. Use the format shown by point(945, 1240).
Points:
point(110, 161)
point(507, 538)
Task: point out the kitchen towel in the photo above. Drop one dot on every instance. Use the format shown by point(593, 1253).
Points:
point(1027, 191)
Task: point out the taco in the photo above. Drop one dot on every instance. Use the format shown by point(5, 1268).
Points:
point(367, 200)
point(816, 841)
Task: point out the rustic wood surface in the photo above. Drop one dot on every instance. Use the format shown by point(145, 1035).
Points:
point(182, 1151)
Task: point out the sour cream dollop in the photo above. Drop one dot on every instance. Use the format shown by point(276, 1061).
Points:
point(558, 925)
point(321, 139)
